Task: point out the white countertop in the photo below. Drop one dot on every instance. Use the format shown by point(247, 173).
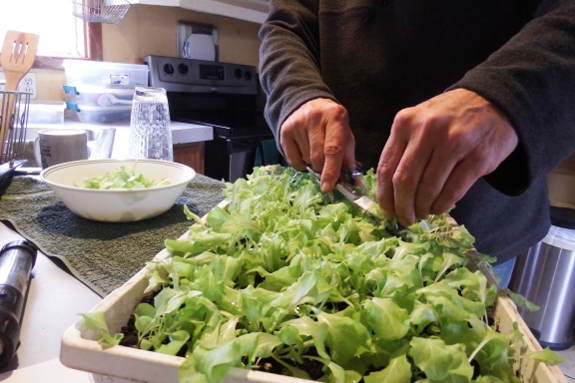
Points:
point(55, 300)
point(182, 133)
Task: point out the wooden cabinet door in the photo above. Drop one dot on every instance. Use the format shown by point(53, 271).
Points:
point(191, 154)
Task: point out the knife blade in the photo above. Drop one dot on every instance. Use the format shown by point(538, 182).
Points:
point(348, 188)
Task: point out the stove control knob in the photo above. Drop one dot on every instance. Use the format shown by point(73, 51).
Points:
point(168, 69)
point(248, 75)
point(238, 73)
point(183, 69)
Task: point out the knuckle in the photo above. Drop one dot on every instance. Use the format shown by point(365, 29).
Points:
point(427, 189)
point(484, 165)
point(336, 144)
point(433, 121)
point(465, 143)
point(338, 111)
point(316, 158)
point(402, 117)
point(403, 181)
point(290, 125)
point(384, 172)
point(479, 163)
point(314, 114)
point(452, 194)
point(460, 141)
point(331, 110)
point(332, 149)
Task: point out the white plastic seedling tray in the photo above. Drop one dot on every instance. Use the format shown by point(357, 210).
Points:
point(81, 350)
point(119, 364)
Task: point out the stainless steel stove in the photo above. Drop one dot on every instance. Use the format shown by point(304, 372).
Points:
point(222, 95)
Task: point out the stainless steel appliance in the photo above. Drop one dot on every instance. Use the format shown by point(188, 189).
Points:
point(546, 276)
point(222, 95)
point(17, 260)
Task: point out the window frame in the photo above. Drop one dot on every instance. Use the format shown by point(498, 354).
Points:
point(92, 44)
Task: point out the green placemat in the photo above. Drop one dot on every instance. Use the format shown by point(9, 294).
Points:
point(101, 255)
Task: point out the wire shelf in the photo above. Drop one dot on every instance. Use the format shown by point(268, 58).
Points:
point(15, 106)
point(100, 11)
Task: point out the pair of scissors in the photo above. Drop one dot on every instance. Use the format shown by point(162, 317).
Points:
point(348, 186)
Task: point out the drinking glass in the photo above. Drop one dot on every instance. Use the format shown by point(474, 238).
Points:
point(150, 135)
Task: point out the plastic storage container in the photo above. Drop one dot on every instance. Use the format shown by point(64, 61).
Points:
point(546, 276)
point(101, 73)
point(46, 112)
point(101, 114)
point(87, 95)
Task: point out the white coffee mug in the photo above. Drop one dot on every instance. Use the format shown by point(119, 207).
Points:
point(54, 146)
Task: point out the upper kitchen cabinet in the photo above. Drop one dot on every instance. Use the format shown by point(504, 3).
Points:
point(248, 10)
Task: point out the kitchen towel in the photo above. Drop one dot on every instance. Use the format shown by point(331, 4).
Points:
point(102, 255)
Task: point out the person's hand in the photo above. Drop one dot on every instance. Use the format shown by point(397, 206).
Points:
point(437, 150)
point(318, 135)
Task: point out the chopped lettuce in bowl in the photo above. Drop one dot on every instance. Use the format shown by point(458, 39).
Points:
point(121, 190)
point(124, 177)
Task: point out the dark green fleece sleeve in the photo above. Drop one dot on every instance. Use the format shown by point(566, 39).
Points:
point(289, 59)
point(532, 80)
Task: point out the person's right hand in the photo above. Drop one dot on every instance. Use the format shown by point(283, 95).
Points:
point(318, 135)
point(437, 150)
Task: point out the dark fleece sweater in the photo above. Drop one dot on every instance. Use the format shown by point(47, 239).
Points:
point(376, 57)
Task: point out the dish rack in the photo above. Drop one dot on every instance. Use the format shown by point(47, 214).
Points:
point(100, 11)
point(14, 105)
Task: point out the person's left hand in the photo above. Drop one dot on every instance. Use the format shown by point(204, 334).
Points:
point(437, 150)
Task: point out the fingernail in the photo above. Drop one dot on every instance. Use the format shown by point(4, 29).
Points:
point(406, 222)
point(387, 214)
point(326, 187)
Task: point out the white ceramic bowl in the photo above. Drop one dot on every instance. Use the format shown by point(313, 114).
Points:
point(124, 205)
